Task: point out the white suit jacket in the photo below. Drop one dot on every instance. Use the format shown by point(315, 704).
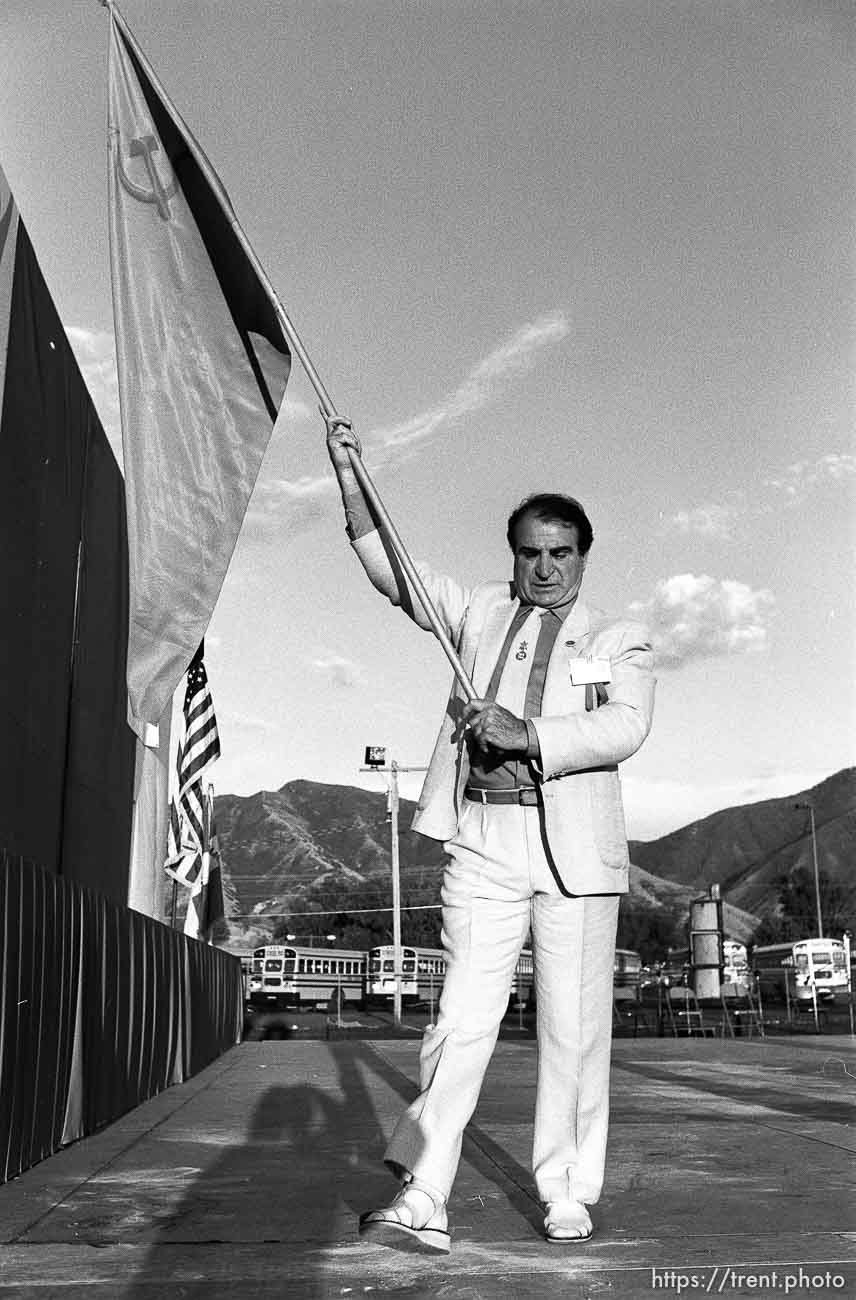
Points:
point(583, 818)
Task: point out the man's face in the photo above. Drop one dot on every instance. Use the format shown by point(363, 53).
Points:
point(548, 567)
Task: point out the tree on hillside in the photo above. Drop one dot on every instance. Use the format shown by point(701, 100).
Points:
point(648, 929)
point(353, 913)
point(796, 913)
point(360, 915)
point(420, 927)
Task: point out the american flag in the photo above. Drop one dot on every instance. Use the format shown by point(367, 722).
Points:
point(205, 904)
point(198, 747)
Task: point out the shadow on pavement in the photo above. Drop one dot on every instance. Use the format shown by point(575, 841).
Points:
point(299, 1171)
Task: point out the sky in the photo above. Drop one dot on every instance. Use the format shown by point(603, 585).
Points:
point(604, 247)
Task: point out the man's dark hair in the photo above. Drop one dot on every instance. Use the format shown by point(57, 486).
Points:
point(557, 508)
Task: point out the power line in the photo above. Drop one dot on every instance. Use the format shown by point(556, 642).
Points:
point(339, 911)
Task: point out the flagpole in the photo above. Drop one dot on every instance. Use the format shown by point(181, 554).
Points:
point(207, 818)
point(369, 490)
point(328, 410)
point(205, 927)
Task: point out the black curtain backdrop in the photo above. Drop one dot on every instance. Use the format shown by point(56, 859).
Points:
point(100, 1009)
point(66, 752)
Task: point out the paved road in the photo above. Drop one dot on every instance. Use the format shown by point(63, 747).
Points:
point(730, 1172)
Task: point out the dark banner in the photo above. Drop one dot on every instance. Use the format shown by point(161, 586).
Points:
point(66, 761)
point(99, 771)
point(100, 1009)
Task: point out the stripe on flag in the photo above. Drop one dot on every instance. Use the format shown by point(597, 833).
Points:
point(203, 363)
point(198, 747)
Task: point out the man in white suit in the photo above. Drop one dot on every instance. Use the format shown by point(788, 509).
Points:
point(523, 790)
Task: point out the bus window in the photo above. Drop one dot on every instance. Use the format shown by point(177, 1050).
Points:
point(273, 964)
point(288, 966)
point(388, 966)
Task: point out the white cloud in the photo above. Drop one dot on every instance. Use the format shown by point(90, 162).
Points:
point(295, 411)
point(803, 475)
point(291, 504)
point(302, 501)
point(695, 617)
point(275, 492)
point(712, 520)
point(482, 385)
point(789, 488)
point(246, 721)
point(339, 671)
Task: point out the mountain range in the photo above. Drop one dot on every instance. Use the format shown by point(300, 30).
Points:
point(278, 846)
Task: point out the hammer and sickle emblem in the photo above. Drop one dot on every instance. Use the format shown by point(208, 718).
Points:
point(146, 147)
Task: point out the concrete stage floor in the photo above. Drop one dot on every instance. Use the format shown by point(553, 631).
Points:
point(730, 1172)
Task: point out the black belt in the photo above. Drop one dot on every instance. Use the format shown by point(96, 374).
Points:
point(527, 796)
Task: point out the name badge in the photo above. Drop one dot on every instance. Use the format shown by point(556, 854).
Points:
point(589, 671)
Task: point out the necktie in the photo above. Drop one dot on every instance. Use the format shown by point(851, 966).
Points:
point(547, 633)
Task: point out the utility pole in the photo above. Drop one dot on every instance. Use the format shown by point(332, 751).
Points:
point(396, 890)
point(376, 762)
point(810, 809)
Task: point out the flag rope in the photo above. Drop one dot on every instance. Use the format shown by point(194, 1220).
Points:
point(328, 410)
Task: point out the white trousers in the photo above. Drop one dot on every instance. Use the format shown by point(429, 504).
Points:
point(497, 885)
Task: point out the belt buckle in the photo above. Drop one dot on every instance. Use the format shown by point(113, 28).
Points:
point(528, 798)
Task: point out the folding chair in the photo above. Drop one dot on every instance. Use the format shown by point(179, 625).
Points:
point(685, 1014)
point(752, 1014)
point(739, 1010)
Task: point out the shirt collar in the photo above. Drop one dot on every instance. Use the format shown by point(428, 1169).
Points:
point(560, 611)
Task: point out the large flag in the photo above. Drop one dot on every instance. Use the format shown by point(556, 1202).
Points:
point(198, 747)
point(205, 905)
point(202, 361)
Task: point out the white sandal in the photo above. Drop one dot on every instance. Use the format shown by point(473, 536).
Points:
point(402, 1224)
point(567, 1223)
